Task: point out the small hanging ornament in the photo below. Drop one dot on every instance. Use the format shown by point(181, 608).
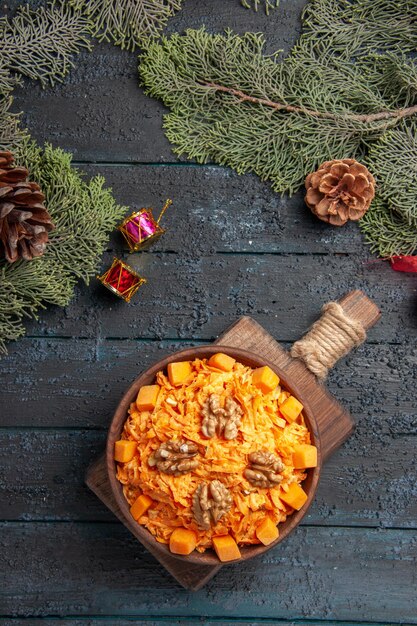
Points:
point(339, 191)
point(122, 280)
point(141, 229)
point(404, 264)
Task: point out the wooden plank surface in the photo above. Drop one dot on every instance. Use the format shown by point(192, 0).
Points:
point(232, 248)
point(78, 382)
point(176, 621)
point(100, 569)
point(84, 113)
point(194, 295)
point(370, 482)
point(223, 212)
point(191, 576)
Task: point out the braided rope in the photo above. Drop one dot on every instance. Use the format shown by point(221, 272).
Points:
point(328, 340)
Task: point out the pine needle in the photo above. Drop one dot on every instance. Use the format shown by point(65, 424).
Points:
point(83, 212)
point(386, 232)
point(40, 44)
point(348, 86)
point(10, 133)
point(127, 23)
point(324, 101)
point(268, 5)
point(354, 27)
point(390, 225)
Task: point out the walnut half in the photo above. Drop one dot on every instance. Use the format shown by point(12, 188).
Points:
point(210, 502)
point(223, 422)
point(264, 469)
point(175, 457)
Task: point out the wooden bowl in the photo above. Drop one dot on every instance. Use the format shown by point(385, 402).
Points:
point(148, 377)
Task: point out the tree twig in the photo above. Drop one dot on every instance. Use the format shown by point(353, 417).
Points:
point(365, 118)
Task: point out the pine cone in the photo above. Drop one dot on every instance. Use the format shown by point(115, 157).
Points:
point(339, 191)
point(24, 221)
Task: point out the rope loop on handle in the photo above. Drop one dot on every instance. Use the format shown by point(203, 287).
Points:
point(328, 340)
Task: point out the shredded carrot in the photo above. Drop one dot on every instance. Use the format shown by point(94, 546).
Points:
point(262, 428)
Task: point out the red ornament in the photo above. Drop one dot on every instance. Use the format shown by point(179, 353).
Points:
point(122, 280)
point(404, 263)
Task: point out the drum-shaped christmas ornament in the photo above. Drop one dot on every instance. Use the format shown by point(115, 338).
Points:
point(122, 280)
point(140, 229)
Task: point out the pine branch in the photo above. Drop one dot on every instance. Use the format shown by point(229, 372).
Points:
point(354, 28)
point(394, 160)
point(346, 88)
point(390, 225)
point(40, 44)
point(387, 233)
point(83, 213)
point(10, 132)
point(233, 105)
point(128, 23)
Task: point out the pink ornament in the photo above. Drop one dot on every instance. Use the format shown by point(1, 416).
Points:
point(140, 229)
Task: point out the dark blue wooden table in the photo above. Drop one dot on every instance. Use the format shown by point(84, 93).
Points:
point(232, 247)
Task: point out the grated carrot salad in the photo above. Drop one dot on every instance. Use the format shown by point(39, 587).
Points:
point(262, 428)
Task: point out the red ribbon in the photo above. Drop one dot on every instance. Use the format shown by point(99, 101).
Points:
point(404, 263)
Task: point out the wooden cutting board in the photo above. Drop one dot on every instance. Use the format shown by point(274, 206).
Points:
point(334, 423)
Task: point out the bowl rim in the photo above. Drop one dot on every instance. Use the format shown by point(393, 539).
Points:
point(119, 418)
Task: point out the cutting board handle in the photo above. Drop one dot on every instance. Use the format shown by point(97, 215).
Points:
point(341, 327)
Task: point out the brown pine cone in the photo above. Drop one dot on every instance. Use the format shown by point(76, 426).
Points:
point(24, 220)
point(339, 191)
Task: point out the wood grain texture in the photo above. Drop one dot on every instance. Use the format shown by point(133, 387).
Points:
point(100, 569)
point(225, 212)
point(84, 114)
point(78, 383)
point(61, 392)
point(360, 308)
point(370, 482)
point(178, 621)
point(196, 295)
